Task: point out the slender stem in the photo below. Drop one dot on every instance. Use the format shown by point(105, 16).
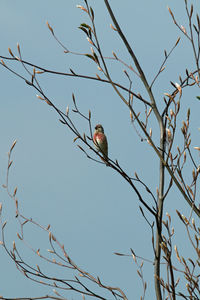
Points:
point(70, 75)
point(192, 37)
point(159, 224)
point(141, 73)
point(161, 154)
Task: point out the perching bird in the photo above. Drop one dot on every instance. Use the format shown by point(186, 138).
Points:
point(100, 140)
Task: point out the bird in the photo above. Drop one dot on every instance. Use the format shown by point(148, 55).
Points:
point(100, 141)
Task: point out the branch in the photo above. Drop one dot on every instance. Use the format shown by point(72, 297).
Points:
point(73, 74)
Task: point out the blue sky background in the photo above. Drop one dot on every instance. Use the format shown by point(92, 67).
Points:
point(92, 211)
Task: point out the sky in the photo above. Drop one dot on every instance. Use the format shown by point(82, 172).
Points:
point(91, 209)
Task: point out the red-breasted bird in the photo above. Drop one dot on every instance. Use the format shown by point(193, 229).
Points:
point(100, 140)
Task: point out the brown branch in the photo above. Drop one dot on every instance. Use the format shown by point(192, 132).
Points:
point(34, 298)
point(69, 75)
point(160, 153)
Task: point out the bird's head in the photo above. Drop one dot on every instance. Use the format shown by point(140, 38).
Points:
point(99, 128)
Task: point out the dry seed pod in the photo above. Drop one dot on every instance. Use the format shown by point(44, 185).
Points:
point(50, 28)
point(183, 29)
point(197, 148)
point(114, 54)
point(171, 112)
point(67, 110)
point(82, 8)
point(13, 145)
point(111, 26)
point(9, 50)
point(168, 135)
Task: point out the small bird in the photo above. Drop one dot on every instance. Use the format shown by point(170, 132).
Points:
point(100, 141)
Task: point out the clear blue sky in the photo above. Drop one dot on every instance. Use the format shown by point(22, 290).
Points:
point(92, 211)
